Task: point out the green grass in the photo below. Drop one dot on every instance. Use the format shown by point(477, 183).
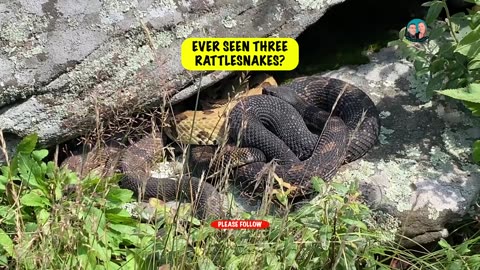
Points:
point(42, 226)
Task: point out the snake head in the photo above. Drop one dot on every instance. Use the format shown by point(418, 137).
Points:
point(283, 92)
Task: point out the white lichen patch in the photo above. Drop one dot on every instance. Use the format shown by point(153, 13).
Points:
point(113, 11)
point(229, 22)
point(163, 39)
point(412, 152)
point(439, 158)
point(313, 4)
point(364, 171)
point(418, 87)
point(163, 8)
point(383, 134)
point(401, 174)
point(411, 108)
point(384, 114)
point(183, 31)
point(385, 224)
point(393, 177)
point(122, 59)
point(166, 4)
point(21, 28)
point(457, 144)
point(279, 12)
point(385, 75)
point(6, 70)
point(167, 169)
point(433, 213)
point(426, 105)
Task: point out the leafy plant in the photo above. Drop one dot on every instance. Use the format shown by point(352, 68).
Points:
point(449, 63)
point(43, 226)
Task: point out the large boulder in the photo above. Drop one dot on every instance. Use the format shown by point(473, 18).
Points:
point(419, 179)
point(60, 60)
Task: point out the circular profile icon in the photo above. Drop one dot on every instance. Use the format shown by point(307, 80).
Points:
point(416, 31)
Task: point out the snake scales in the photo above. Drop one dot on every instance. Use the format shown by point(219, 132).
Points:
point(270, 126)
point(344, 129)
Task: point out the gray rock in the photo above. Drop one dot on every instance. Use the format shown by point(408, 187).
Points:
point(420, 174)
point(61, 58)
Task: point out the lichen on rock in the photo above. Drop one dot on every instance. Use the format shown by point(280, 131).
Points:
point(422, 175)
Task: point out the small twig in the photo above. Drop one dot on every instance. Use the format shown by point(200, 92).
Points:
point(449, 21)
point(3, 146)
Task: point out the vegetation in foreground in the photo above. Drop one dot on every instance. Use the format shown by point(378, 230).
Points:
point(46, 225)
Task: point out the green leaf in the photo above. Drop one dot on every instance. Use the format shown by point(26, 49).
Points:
point(474, 63)
point(119, 195)
point(438, 65)
point(470, 44)
point(476, 151)
point(113, 266)
point(118, 215)
point(7, 215)
point(456, 265)
point(474, 261)
point(102, 252)
point(339, 188)
point(474, 107)
point(31, 173)
point(94, 220)
point(31, 227)
point(433, 11)
point(475, 19)
point(4, 260)
point(39, 155)
point(124, 229)
point(354, 222)
point(27, 144)
point(318, 184)
point(462, 249)
point(477, 2)
point(82, 255)
point(6, 242)
point(3, 182)
point(470, 93)
point(42, 216)
point(34, 198)
point(401, 36)
point(325, 234)
point(444, 244)
point(430, 3)
point(206, 263)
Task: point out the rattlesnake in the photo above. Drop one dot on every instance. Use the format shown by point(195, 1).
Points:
point(274, 124)
point(135, 162)
point(348, 128)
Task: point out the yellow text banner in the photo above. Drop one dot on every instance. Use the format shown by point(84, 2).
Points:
point(238, 54)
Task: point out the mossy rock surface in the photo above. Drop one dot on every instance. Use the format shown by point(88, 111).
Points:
point(61, 60)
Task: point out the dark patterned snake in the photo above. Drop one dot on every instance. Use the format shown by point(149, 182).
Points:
point(281, 129)
point(136, 163)
point(301, 125)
